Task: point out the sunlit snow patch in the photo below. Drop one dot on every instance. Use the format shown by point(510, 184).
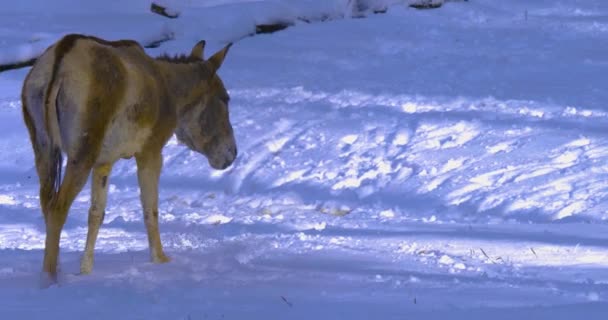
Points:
point(20, 236)
point(506, 146)
point(567, 158)
point(582, 142)
point(388, 214)
point(318, 226)
point(349, 139)
point(7, 200)
point(441, 136)
point(197, 218)
point(572, 209)
point(409, 107)
point(277, 144)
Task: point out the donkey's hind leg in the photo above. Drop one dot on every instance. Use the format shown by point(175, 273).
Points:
point(76, 175)
point(99, 195)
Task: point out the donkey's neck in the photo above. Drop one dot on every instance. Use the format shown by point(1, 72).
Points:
point(183, 80)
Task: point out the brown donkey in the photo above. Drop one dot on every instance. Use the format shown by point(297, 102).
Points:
point(98, 101)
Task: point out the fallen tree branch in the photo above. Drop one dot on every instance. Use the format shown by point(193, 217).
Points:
point(270, 28)
point(28, 63)
point(158, 9)
point(426, 4)
point(431, 4)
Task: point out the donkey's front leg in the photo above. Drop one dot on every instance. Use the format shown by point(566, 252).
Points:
point(99, 195)
point(148, 172)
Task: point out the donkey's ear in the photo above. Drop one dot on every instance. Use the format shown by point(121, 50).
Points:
point(197, 51)
point(216, 60)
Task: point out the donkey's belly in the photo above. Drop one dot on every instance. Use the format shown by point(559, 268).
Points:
point(123, 140)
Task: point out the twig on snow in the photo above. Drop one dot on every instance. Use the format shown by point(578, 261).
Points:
point(168, 36)
point(287, 302)
point(487, 256)
point(532, 249)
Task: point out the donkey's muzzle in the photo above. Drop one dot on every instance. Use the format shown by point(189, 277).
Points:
point(225, 159)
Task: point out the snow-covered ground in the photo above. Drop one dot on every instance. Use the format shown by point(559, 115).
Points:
point(448, 163)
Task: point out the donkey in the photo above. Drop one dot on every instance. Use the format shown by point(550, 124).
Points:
point(97, 101)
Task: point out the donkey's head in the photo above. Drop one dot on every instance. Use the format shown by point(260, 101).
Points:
point(204, 125)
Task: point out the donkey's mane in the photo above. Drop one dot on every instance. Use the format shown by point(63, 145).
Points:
point(178, 58)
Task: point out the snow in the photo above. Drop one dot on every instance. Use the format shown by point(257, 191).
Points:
point(446, 163)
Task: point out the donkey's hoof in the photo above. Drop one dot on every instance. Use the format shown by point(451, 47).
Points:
point(86, 265)
point(161, 258)
point(47, 279)
point(85, 270)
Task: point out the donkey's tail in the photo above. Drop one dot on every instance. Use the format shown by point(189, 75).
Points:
point(55, 157)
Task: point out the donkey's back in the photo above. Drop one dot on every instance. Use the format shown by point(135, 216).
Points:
point(85, 91)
